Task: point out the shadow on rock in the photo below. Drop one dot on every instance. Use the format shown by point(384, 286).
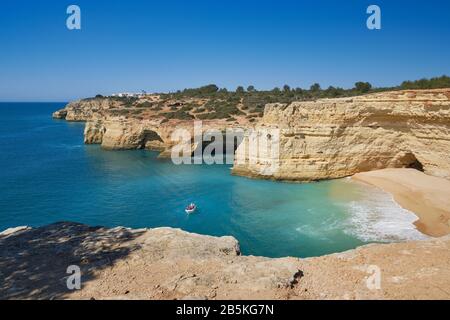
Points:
point(34, 262)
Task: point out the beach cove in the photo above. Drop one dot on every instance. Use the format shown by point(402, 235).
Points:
point(59, 178)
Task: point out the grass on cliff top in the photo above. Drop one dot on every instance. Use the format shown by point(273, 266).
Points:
point(212, 102)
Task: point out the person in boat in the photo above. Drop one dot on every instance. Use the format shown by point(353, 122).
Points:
point(191, 206)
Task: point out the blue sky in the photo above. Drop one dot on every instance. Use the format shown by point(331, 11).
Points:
point(169, 45)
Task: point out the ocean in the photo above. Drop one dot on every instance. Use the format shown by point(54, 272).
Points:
point(47, 175)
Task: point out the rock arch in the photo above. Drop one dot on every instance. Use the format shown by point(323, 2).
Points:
point(151, 140)
point(229, 145)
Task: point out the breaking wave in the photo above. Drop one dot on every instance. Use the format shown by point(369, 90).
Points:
point(377, 217)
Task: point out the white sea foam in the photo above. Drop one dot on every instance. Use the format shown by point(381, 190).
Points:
point(320, 231)
point(377, 217)
point(312, 232)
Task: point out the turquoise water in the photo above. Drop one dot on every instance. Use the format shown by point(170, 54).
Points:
point(47, 175)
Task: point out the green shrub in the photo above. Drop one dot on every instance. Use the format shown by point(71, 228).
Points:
point(181, 115)
point(145, 104)
point(433, 83)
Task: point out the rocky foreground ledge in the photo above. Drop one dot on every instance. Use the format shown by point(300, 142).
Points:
point(166, 263)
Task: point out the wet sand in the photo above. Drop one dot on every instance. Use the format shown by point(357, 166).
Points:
point(426, 196)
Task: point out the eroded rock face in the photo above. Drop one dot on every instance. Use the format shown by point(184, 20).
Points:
point(120, 134)
point(84, 110)
point(148, 122)
point(333, 138)
point(60, 114)
point(166, 263)
point(93, 132)
point(115, 133)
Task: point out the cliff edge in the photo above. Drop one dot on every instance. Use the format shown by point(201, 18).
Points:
point(166, 263)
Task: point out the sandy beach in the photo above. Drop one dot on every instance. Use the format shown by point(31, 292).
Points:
point(426, 196)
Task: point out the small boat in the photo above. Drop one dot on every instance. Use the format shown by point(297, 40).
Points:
point(191, 208)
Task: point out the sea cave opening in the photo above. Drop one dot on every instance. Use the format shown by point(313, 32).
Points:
point(151, 140)
point(218, 141)
point(409, 160)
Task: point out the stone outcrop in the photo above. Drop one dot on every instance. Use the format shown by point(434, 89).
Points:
point(122, 134)
point(128, 134)
point(94, 132)
point(86, 109)
point(333, 138)
point(166, 263)
point(116, 125)
point(60, 114)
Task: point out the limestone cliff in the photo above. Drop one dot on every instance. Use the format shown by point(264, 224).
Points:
point(123, 134)
point(323, 139)
point(333, 138)
point(128, 134)
point(86, 109)
point(147, 122)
